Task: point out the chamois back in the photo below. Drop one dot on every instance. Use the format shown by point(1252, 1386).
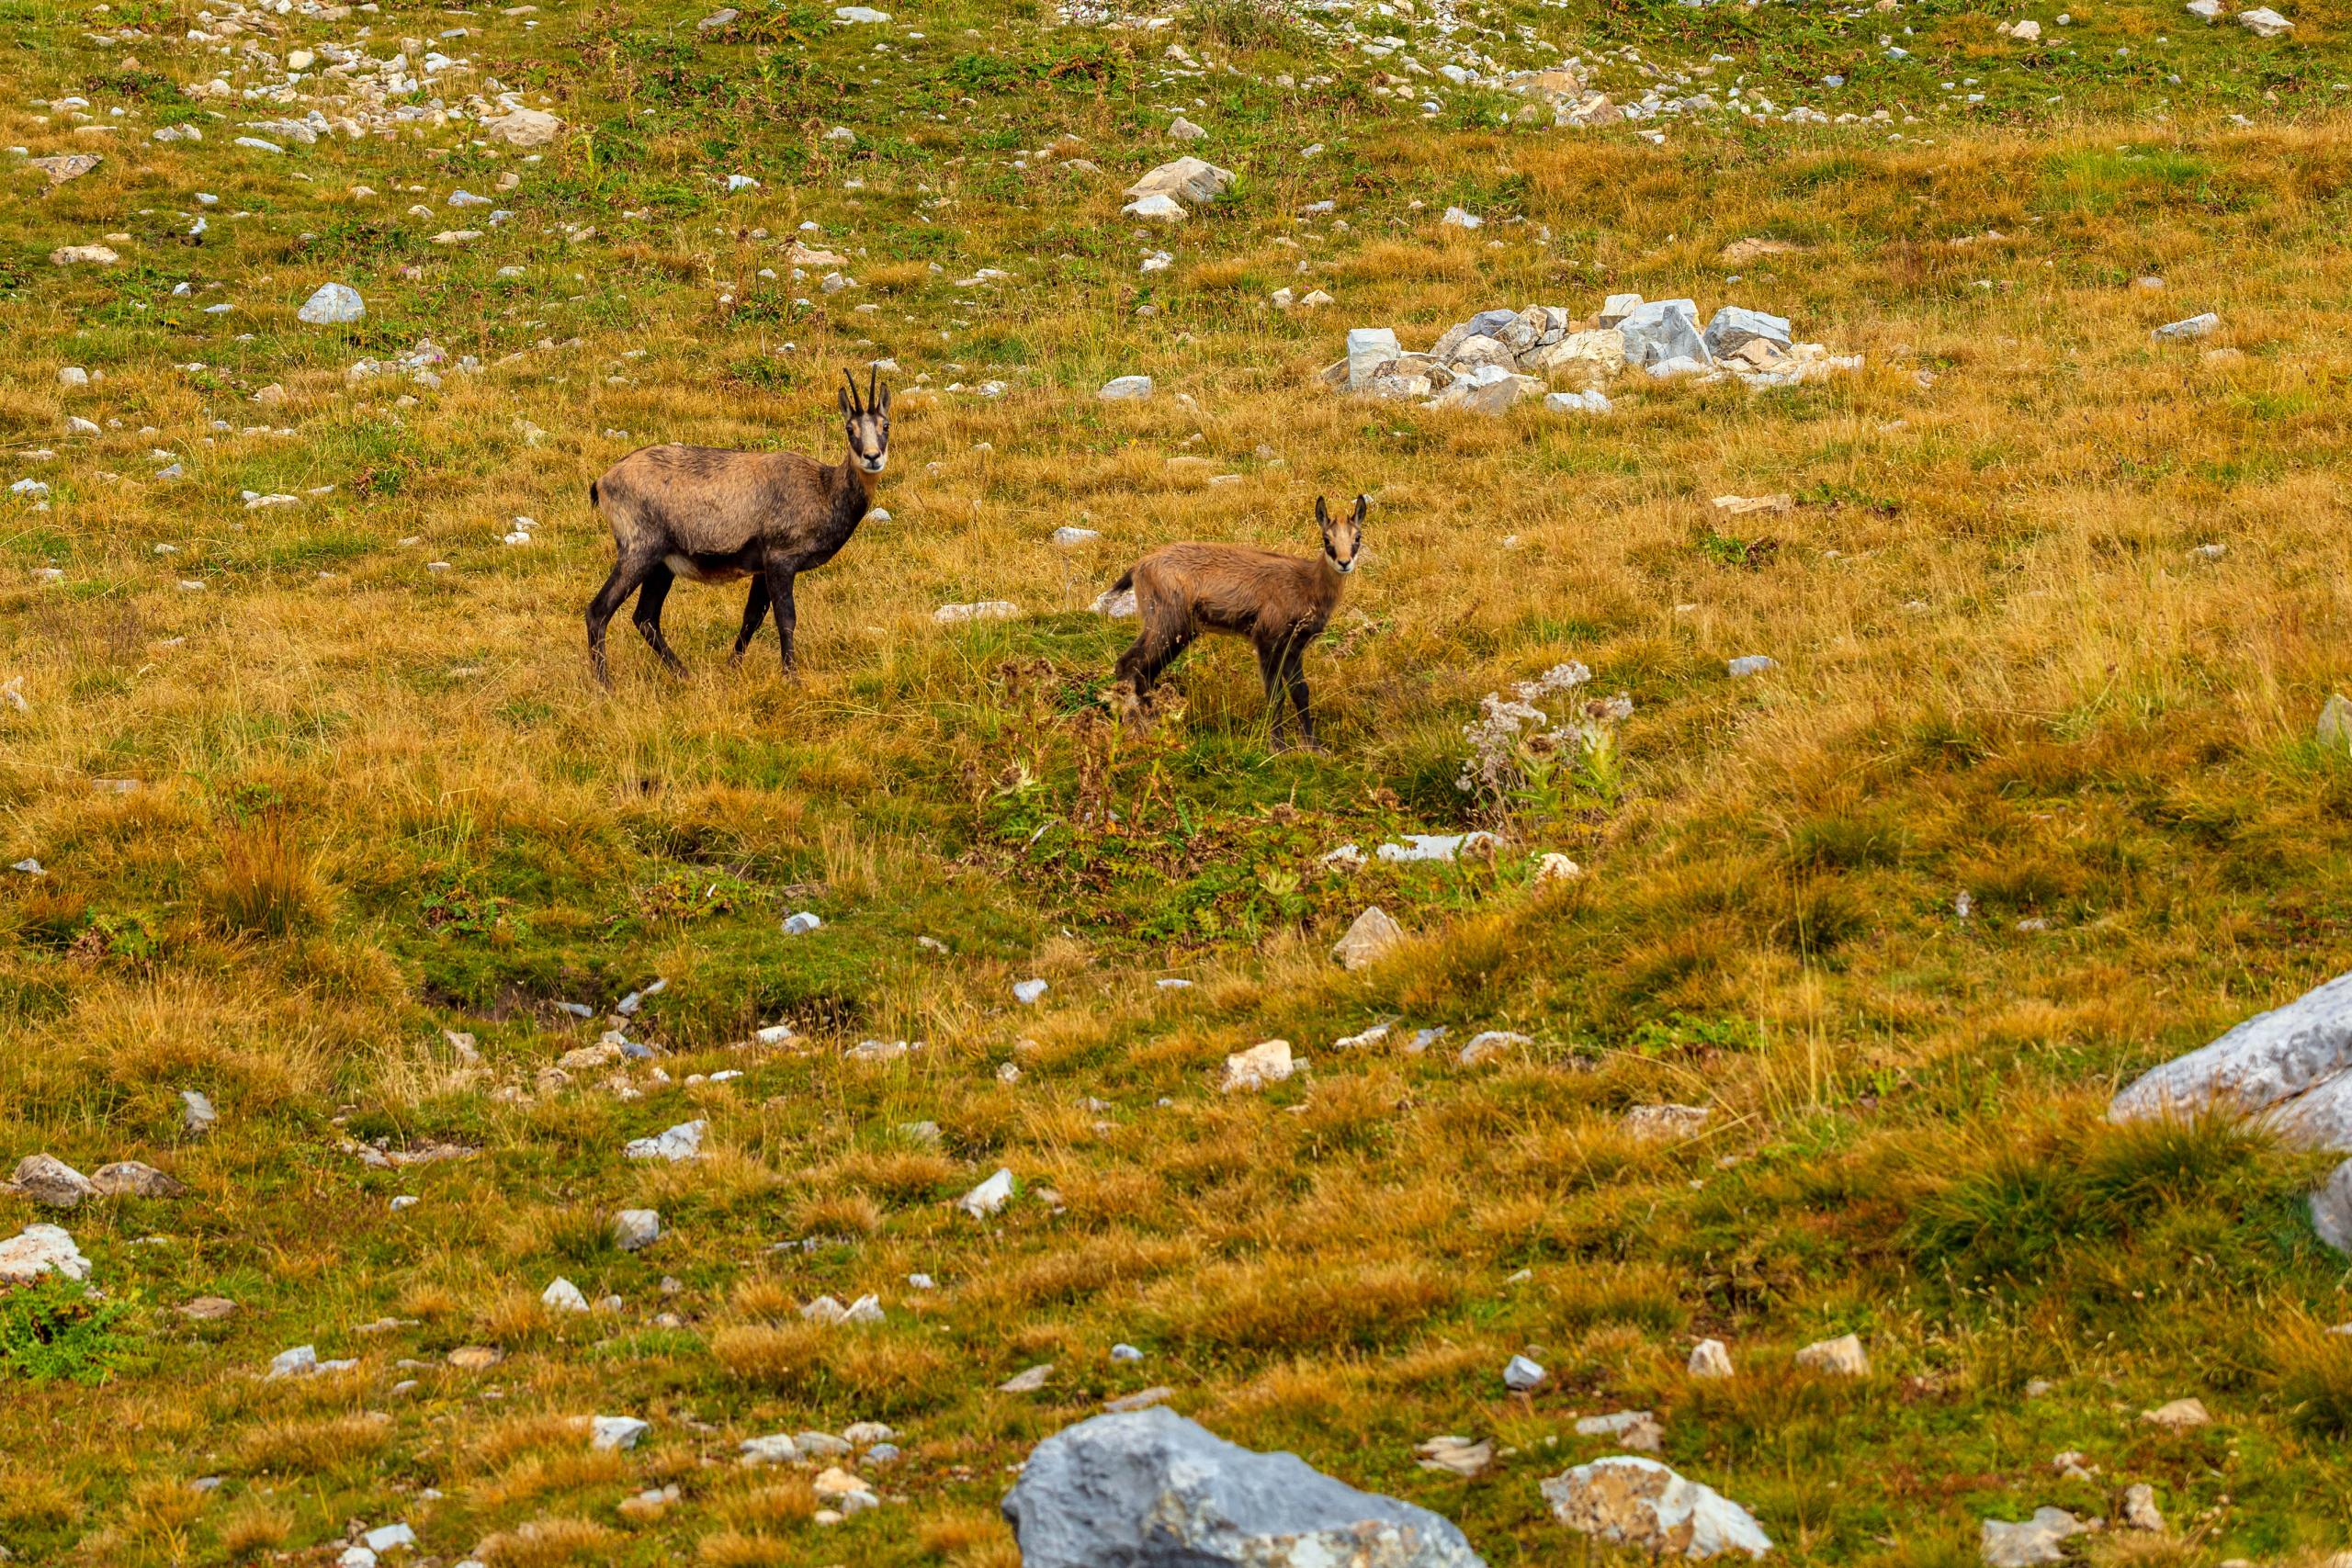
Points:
point(705, 501)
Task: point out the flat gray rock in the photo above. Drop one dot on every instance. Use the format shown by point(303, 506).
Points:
point(2290, 1067)
point(1151, 1489)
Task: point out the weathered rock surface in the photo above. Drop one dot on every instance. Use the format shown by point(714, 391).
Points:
point(38, 1250)
point(333, 304)
point(1456, 1456)
point(2335, 727)
point(1268, 1062)
point(2193, 327)
point(1656, 1123)
point(1634, 1429)
point(683, 1142)
point(1660, 330)
point(1842, 1357)
point(2177, 1415)
point(48, 1181)
point(1151, 1489)
point(2291, 1068)
point(1734, 327)
point(65, 165)
point(2332, 1209)
point(616, 1432)
point(1369, 939)
point(2005, 1545)
point(1640, 1503)
point(1195, 180)
point(523, 128)
point(988, 1196)
point(131, 1178)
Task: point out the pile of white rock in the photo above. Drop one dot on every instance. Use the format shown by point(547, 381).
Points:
point(1497, 357)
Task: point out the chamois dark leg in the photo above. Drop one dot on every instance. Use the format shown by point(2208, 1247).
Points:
point(1270, 673)
point(1155, 648)
point(779, 579)
point(647, 615)
point(1294, 674)
point(756, 610)
point(1150, 657)
point(628, 573)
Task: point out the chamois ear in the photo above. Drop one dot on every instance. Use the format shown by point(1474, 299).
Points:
point(1322, 515)
point(843, 398)
point(1363, 504)
point(883, 406)
point(850, 405)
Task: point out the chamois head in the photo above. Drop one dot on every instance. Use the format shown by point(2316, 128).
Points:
point(1342, 536)
point(869, 422)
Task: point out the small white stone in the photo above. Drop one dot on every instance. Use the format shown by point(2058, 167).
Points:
point(681, 1142)
point(1842, 1357)
point(1268, 1062)
point(562, 1295)
point(617, 1432)
point(989, 1197)
point(1710, 1359)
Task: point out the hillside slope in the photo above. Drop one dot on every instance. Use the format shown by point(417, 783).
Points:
point(328, 824)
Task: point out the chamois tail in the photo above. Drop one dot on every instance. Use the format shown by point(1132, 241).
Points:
point(595, 499)
point(1126, 581)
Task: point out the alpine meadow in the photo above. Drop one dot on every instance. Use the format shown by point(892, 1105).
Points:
point(1778, 1001)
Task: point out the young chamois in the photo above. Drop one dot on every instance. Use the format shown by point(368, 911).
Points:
point(711, 515)
point(1279, 603)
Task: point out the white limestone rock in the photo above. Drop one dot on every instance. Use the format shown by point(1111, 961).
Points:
point(1631, 1501)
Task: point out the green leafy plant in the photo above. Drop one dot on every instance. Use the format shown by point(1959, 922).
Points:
point(54, 1329)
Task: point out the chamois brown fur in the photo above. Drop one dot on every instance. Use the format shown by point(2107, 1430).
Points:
point(711, 515)
point(1279, 603)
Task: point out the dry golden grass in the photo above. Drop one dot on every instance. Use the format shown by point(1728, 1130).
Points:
point(308, 1447)
point(549, 1543)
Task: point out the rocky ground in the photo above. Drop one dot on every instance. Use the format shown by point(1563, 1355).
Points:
point(1796, 1015)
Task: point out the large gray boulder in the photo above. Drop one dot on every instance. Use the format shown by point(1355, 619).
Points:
point(1153, 1490)
point(1659, 330)
point(2289, 1069)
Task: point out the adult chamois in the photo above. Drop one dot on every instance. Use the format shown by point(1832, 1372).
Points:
point(1279, 603)
point(711, 515)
